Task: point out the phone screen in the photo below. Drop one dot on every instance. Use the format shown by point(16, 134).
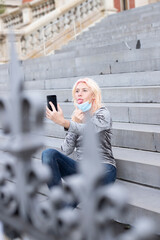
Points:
point(53, 99)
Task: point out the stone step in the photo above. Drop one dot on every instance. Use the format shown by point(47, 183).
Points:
point(135, 66)
point(66, 72)
point(83, 50)
point(143, 162)
point(141, 199)
point(149, 35)
point(138, 166)
point(107, 47)
point(152, 20)
point(68, 59)
point(98, 56)
point(134, 16)
point(115, 42)
point(109, 80)
point(142, 19)
point(137, 136)
point(144, 202)
point(132, 165)
point(145, 94)
point(131, 15)
point(103, 43)
point(127, 135)
point(110, 40)
point(107, 26)
point(87, 37)
point(94, 68)
point(118, 29)
point(126, 112)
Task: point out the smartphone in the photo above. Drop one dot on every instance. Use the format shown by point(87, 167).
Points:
point(53, 99)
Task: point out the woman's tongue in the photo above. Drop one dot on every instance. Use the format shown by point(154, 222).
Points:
point(80, 101)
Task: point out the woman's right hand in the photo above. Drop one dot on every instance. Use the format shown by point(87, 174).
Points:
point(57, 116)
point(78, 116)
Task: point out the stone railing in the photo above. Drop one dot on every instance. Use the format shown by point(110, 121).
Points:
point(70, 20)
point(42, 8)
point(27, 13)
point(55, 29)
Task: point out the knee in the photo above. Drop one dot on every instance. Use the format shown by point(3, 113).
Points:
point(110, 174)
point(49, 156)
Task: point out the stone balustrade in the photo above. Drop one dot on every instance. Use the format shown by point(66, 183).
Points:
point(27, 13)
point(13, 19)
point(56, 28)
point(64, 20)
point(42, 8)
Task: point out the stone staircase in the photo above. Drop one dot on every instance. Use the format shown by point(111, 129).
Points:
point(130, 83)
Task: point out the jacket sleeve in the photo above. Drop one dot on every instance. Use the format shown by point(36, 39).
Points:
point(69, 143)
point(101, 120)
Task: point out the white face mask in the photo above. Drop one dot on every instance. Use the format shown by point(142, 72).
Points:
point(84, 107)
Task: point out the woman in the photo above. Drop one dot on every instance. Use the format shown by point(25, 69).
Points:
point(87, 99)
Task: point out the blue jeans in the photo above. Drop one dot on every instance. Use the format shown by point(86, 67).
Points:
point(62, 166)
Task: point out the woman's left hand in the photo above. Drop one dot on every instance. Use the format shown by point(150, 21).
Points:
point(78, 116)
point(56, 116)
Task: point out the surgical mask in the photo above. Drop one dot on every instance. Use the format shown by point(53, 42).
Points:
point(84, 107)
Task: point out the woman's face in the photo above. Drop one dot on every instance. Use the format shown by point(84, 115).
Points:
point(83, 93)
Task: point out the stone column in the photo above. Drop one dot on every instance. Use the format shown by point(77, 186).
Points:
point(60, 3)
point(27, 14)
point(109, 6)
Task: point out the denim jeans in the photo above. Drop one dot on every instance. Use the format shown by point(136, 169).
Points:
point(62, 166)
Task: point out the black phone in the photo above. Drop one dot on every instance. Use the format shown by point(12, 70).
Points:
point(53, 99)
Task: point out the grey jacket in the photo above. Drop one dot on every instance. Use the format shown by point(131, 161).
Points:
point(102, 122)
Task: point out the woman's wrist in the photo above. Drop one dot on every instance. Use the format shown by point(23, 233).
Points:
point(66, 124)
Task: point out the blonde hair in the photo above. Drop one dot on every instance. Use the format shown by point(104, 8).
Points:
point(94, 88)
